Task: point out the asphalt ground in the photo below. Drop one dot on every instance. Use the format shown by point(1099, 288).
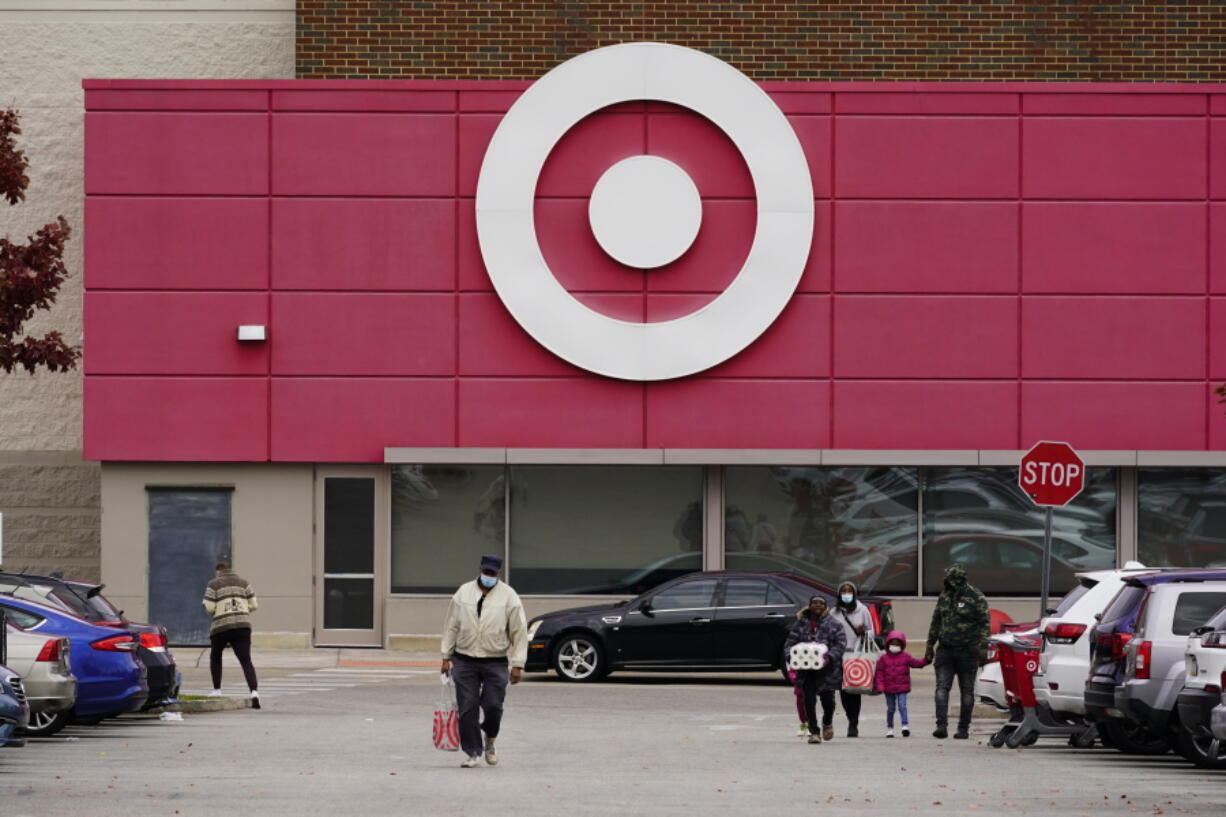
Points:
point(349, 730)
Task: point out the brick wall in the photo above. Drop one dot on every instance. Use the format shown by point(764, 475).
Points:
point(993, 40)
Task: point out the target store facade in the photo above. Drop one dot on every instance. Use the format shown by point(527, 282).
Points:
point(638, 318)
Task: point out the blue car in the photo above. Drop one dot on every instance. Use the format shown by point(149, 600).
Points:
point(14, 711)
point(110, 676)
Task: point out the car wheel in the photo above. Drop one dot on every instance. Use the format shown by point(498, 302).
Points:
point(46, 724)
point(579, 657)
point(1134, 739)
point(1206, 752)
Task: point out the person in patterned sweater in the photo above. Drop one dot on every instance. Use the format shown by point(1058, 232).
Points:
point(230, 600)
point(960, 626)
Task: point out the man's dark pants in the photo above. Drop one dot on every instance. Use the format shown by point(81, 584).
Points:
point(239, 640)
point(479, 683)
point(962, 662)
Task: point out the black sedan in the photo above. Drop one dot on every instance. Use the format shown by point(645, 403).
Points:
point(706, 622)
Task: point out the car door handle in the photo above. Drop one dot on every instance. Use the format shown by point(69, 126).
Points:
point(700, 620)
point(774, 615)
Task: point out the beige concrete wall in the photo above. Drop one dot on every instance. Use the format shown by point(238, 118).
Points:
point(48, 496)
point(271, 524)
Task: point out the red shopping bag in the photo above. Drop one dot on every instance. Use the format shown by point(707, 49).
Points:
point(447, 719)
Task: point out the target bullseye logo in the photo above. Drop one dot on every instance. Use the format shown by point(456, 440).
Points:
point(644, 211)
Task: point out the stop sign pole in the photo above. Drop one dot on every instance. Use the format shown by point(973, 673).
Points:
point(1051, 474)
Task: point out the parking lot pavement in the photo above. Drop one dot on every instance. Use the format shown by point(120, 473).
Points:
point(635, 744)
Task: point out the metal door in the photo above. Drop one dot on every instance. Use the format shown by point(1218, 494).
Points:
point(189, 533)
point(350, 547)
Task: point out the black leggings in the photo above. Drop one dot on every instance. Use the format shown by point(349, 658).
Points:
point(851, 707)
point(239, 640)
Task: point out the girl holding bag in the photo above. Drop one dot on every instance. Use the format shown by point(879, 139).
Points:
point(815, 626)
point(857, 624)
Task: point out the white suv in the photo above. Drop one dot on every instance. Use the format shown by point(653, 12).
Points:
point(1065, 661)
point(1200, 703)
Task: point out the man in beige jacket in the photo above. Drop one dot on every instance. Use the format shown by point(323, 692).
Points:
point(485, 630)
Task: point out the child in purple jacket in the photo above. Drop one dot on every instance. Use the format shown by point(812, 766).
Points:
point(893, 677)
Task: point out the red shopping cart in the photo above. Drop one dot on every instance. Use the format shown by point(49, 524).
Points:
point(1019, 662)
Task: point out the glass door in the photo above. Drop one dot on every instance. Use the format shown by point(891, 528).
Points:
point(350, 540)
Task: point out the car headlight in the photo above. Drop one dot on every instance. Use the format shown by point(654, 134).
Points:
point(532, 628)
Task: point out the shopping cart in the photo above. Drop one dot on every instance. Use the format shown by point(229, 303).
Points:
point(1018, 653)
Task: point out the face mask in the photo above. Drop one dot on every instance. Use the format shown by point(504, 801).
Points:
point(846, 597)
point(487, 581)
point(894, 648)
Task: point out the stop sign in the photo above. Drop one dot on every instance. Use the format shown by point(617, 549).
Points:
point(1051, 473)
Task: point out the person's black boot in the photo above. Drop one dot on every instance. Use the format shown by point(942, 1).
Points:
point(940, 732)
point(853, 730)
point(963, 732)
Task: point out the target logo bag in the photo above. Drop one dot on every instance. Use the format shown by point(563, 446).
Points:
point(447, 719)
point(860, 665)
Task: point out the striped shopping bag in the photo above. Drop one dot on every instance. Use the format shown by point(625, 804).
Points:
point(447, 719)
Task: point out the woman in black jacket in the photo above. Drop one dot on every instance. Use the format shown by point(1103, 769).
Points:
point(813, 623)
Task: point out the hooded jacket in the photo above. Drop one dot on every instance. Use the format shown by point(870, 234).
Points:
point(894, 670)
point(960, 620)
point(824, 631)
point(857, 616)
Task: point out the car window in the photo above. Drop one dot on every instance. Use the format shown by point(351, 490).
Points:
point(21, 618)
point(751, 593)
point(685, 596)
point(1218, 622)
point(1071, 597)
point(1124, 603)
point(1015, 556)
point(1194, 608)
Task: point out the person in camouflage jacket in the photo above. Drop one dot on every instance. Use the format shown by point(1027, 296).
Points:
point(959, 636)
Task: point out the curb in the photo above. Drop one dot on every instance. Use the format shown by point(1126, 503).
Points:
point(206, 705)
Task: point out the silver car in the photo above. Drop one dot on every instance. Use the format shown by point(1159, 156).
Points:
point(50, 686)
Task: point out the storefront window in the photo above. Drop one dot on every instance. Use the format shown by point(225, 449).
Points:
point(615, 530)
point(833, 524)
point(443, 518)
point(1181, 517)
point(980, 518)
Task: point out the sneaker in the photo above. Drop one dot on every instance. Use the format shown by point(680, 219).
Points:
point(803, 731)
point(889, 733)
point(255, 700)
point(828, 732)
point(853, 731)
point(961, 734)
point(940, 732)
point(815, 738)
point(906, 733)
point(491, 757)
point(470, 762)
point(215, 693)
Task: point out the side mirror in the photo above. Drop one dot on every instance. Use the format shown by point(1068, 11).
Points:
point(645, 607)
point(1202, 630)
point(1050, 611)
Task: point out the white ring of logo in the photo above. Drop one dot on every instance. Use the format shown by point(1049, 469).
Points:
point(506, 228)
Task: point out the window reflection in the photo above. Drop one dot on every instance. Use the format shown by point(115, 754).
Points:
point(443, 518)
point(832, 524)
point(596, 529)
point(980, 518)
point(1181, 516)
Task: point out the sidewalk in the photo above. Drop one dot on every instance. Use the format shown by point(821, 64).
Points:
point(310, 658)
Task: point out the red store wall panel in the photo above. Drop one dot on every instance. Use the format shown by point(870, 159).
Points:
point(176, 243)
point(175, 333)
point(888, 246)
point(1113, 416)
point(352, 154)
point(577, 412)
point(176, 419)
point(922, 157)
point(356, 244)
point(176, 153)
point(951, 414)
point(702, 412)
point(1119, 247)
point(1113, 338)
point(344, 333)
point(1217, 248)
point(925, 337)
point(352, 419)
point(1217, 339)
point(1217, 156)
point(1114, 158)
